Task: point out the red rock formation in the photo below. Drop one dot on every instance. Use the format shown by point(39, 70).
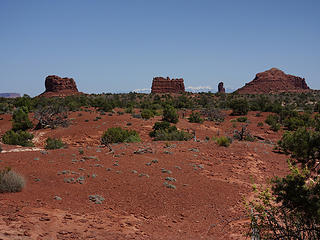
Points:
point(274, 81)
point(221, 89)
point(59, 87)
point(167, 85)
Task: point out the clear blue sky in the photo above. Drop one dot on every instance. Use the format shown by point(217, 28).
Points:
point(119, 46)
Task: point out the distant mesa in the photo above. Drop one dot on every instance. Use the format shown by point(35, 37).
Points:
point(59, 87)
point(221, 89)
point(10, 95)
point(274, 81)
point(167, 85)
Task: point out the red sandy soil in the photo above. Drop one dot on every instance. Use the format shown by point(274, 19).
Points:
point(208, 202)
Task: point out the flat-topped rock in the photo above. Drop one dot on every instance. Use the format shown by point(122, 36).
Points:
point(167, 85)
point(59, 87)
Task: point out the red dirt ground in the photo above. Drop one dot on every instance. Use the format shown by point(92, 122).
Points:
point(208, 202)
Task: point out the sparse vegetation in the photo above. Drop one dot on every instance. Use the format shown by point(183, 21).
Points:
point(239, 107)
point(170, 114)
point(224, 141)
point(21, 138)
point(119, 135)
point(147, 114)
point(163, 131)
point(195, 117)
point(10, 181)
point(20, 120)
point(53, 143)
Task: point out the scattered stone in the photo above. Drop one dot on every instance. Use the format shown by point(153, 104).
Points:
point(143, 150)
point(97, 199)
point(57, 198)
point(168, 185)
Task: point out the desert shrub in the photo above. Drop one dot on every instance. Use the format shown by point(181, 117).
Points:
point(260, 124)
point(147, 114)
point(303, 145)
point(224, 141)
point(243, 134)
point(213, 114)
point(316, 122)
point(275, 127)
point(195, 117)
point(239, 107)
point(129, 110)
point(51, 116)
point(317, 107)
point(118, 135)
point(0, 148)
point(162, 131)
point(54, 143)
point(273, 121)
point(242, 119)
point(20, 120)
point(291, 208)
point(10, 181)
point(21, 138)
point(5, 107)
point(293, 123)
point(170, 114)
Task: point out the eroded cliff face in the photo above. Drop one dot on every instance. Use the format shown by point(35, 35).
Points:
point(167, 85)
point(273, 81)
point(59, 87)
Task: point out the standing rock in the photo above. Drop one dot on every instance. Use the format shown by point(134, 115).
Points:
point(221, 89)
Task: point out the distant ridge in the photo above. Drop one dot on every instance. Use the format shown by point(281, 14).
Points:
point(10, 95)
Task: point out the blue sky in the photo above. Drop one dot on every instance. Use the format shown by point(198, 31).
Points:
point(119, 46)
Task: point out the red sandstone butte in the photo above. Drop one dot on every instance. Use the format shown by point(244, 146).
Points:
point(59, 87)
point(274, 81)
point(167, 85)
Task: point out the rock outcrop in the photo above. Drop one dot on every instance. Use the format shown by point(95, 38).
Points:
point(59, 87)
point(167, 85)
point(10, 95)
point(221, 89)
point(274, 81)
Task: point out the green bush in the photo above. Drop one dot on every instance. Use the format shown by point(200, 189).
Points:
point(195, 117)
point(213, 114)
point(260, 124)
point(53, 143)
point(20, 120)
point(170, 114)
point(275, 127)
point(317, 107)
point(21, 138)
point(303, 145)
point(293, 123)
point(162, 131)
point(147, 114)
point(118, 135)
point(239, 107)
point(10, 181)
point(242, 119)
point(224, 141)
point(273, 121)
